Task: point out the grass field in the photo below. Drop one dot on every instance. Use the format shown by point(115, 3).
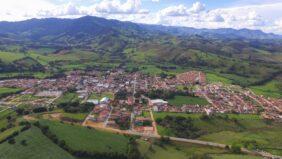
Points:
point(8, 132)
point(81, 138)
point(211, 77)
point(8, 57)
point(95, 95)
point(3, 116)
point(67, 97)
point(6, 91)
point(184, 151)
point(234, 129)
point(37, 146)
point(181, 100)
point(269, 89)
point(75, 116)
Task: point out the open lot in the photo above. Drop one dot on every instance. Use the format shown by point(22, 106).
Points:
point(187, 100)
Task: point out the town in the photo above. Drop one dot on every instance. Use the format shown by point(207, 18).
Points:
point(126, 101)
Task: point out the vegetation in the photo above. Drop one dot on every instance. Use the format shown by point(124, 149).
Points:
point(189, 100)
point(249, 131)
point(32, 144)
point(180, 126)
point(83, 139)
point(8, 91)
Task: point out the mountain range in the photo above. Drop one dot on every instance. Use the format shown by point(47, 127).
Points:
point(250, 54)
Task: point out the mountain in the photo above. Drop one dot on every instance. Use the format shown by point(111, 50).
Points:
point(63, 44)
point(88, 26)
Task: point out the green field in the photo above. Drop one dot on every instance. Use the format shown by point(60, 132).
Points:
point(270, 89)
point(75, 116)
point(9, 57)
point(81, 138)
point(37, 146)
point(4, 115)
point(100, 96)
point(7, 91)
point(211, 77)
point(184, 151)
point(6, 133)
point(232, 156)
point(181, 100)
point(67, 97)
point(234, 129)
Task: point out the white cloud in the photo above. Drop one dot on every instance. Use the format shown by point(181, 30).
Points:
point(267, 17)
point(182, 10)
point(263, 17)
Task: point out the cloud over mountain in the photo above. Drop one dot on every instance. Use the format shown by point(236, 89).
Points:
point(264, 16)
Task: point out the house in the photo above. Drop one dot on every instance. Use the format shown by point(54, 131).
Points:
point(93, 101)
point(157, 102)
point(105, 100)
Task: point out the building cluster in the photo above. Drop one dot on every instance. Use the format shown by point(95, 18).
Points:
point(222, 98)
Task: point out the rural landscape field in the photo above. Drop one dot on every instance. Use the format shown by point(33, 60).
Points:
point(140, 79)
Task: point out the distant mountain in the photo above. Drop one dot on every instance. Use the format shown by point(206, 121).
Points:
point(227, 33)
point(247, 54)
point(88, 26)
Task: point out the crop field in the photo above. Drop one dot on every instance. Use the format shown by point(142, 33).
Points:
point(81, 138)
point(181, 100)
point(37, 146)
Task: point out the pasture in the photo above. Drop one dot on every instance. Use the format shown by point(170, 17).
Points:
point(36, 146)
point(90, 140)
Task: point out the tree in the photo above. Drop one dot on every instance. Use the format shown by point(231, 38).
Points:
point(235, 148)
point(23, 142)
point(11, 141)
point(133, 151)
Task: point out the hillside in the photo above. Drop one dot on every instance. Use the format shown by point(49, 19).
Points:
point(246, 57)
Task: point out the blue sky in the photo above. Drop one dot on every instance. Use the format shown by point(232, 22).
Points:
point(265, 15)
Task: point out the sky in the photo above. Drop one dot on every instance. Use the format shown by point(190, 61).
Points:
point(265, 15)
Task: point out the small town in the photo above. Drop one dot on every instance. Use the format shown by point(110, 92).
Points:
point(126, 101)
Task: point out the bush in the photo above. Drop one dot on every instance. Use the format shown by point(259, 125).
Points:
point(235, 148)
point(39, 110)
point(11, 141)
